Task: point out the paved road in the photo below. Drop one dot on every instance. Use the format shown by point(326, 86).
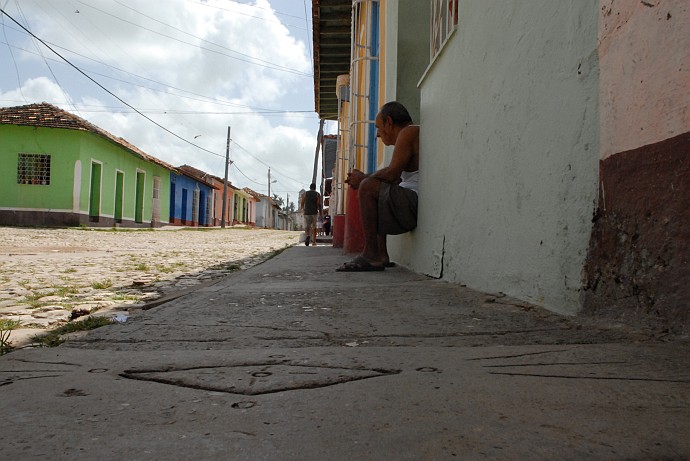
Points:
point(290, 360)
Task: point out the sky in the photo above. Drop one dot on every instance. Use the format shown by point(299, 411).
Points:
point(170, 77)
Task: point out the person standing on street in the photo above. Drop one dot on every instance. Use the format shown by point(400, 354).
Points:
point(327, 224)
point(311, 207)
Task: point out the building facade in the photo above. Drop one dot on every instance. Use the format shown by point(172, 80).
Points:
point(554, 145)
point(60, 170)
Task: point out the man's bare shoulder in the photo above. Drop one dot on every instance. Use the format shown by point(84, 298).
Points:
point(411, 130)
point(409, 139)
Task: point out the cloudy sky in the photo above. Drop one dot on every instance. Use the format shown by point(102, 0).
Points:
point(194, 67)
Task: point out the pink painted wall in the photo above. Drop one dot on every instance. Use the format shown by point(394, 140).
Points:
point(644, 52)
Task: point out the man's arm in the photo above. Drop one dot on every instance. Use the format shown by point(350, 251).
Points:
point(406, 146)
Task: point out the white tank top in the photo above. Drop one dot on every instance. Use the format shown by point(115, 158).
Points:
point(409, 180)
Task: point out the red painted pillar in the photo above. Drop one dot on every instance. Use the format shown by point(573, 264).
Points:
point(354, 236)
point(338, 230)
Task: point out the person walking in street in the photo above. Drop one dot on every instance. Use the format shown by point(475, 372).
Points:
point(311, 207)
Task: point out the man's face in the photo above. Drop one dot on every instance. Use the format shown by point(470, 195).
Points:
point(384, 130)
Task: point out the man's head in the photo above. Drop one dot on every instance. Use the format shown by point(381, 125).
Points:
point(312, 186)
point(391, 118)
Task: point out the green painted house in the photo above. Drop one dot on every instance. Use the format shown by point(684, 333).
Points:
point(57, 169)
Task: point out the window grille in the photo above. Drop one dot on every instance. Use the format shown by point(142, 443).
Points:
point(444, 21)
point(33, 169)
point(364, 81)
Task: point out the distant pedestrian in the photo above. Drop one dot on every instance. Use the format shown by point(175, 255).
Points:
point(327, 224)
point(311, 207)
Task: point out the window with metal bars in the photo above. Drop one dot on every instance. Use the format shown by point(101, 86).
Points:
point(33, 169)
point(444, 21)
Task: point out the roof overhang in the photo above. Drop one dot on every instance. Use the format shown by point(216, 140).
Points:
point(332, 28)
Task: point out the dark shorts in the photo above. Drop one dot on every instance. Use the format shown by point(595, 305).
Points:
point(397, 209)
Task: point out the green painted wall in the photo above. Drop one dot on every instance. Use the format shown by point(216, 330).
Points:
point(69, 148)
point(62, 145)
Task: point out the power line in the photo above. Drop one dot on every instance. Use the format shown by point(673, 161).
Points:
point(263, 112)
point(309, 39)
point(249, 15)
point(234, 164)
point(267, 165)
point(269, 66)
point(38, 49)
point(205, 98)
point(14, 61)
point(107, 90)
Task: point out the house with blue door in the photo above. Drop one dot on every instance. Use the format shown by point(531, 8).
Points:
point(191, 200)
point(219, 188)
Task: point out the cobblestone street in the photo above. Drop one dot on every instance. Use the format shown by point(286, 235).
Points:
point(48, 276)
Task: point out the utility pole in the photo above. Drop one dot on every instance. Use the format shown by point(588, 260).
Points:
point(269, 219)
point(269, 182)
point(288, 215)
point(319, 139)
point(225, 182)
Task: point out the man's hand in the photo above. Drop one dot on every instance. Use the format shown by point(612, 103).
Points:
point(354, 178)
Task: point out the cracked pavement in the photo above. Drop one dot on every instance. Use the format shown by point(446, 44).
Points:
point(290, 360)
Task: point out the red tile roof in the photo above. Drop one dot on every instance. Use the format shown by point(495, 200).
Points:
point(49, 116)
point(201, 176)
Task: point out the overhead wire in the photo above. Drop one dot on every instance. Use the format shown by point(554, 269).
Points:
point(107, 90)
point(253, 61)
point(267, 165)
point(309, 39)
point(204, 98)
point(79, 26)
point(233, 165)
point(14, 61)
point(138, 111)
point(38, 49)
point(249, 15)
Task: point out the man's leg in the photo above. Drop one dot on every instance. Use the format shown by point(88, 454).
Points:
point(307, 231)
point(382, 248)
point(369, 212)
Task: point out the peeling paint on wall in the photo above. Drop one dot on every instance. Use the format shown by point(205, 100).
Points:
point(638, 268)
point(638, 265)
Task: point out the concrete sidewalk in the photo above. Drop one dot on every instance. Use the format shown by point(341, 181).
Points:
point(290, 360)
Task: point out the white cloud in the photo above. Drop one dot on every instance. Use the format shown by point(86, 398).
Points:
point(227, 67)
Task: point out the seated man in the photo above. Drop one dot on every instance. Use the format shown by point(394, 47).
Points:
point(387, 197)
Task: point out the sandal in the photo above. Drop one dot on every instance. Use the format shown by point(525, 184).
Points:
point(359, 264)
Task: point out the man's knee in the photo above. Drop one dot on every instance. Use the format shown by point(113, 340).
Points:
point(370, 186)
